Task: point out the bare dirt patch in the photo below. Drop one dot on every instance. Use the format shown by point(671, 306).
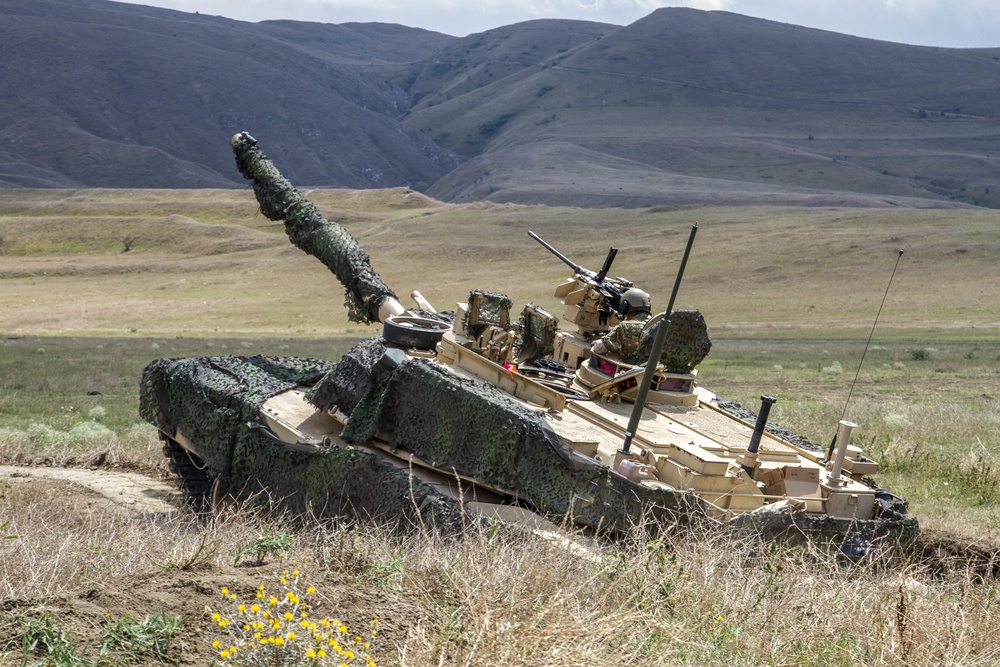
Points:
point(136, 493)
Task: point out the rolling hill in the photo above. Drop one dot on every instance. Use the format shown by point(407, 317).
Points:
point(681, 107)
point(734, 108)
point(107, 94)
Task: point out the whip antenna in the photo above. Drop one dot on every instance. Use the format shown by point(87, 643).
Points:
point(833, 443)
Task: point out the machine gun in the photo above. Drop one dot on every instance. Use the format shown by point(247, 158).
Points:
point(610, 290)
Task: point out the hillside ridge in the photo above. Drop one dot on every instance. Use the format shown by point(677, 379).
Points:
point(682, 106)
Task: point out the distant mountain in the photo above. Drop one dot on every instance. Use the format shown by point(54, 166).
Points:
point(683, 106)
point(117, 95)
point(750, 109)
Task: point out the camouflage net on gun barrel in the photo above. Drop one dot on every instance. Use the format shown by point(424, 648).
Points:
point(311, 232)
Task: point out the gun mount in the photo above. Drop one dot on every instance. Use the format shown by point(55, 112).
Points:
point(488, 413)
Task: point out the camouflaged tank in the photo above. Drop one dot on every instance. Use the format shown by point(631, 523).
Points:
point(487, 413)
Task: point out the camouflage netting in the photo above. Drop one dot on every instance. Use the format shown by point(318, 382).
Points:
point(312, 233)
point(491, 307)
point(750, 416)
point(687, 343)
point(215, 402)
point(538, 337)
point(452, 422)
point(892, 528)
point(470, 427)
point(351, 380)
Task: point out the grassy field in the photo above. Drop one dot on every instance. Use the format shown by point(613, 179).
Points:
point(790, 296)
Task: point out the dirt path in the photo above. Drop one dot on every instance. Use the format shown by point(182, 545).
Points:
point(137, 493)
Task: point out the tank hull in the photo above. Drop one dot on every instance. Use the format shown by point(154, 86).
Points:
point(414, 444)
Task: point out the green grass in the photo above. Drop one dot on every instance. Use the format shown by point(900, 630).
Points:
point(125, 641)
point(61, 396)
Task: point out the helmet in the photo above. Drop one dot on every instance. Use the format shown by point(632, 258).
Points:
point(634, 300)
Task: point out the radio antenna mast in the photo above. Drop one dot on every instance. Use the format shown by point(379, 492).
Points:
point(833, 443)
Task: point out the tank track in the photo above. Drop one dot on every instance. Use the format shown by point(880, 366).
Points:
point(194, 478)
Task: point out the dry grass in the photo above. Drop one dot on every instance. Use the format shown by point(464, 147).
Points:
point(787, 293)
point(502, 597)
point(204, 263)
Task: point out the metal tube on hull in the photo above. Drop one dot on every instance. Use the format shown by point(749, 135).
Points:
point(751, 456)
point(843, 439)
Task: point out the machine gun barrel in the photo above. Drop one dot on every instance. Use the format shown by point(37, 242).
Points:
point(368, 298)
point(566, 260)
point(612, 289)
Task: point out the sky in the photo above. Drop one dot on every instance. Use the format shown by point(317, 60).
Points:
point(950, 23)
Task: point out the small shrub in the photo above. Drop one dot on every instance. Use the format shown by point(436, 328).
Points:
point(89, 433)
point(266, 545)
point(43, 636)
point(130, 638)
point(833, 369)
point(180, 558)
point(896, 420)
point(921, 354)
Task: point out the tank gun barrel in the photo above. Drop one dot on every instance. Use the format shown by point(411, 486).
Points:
point(368, 298)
